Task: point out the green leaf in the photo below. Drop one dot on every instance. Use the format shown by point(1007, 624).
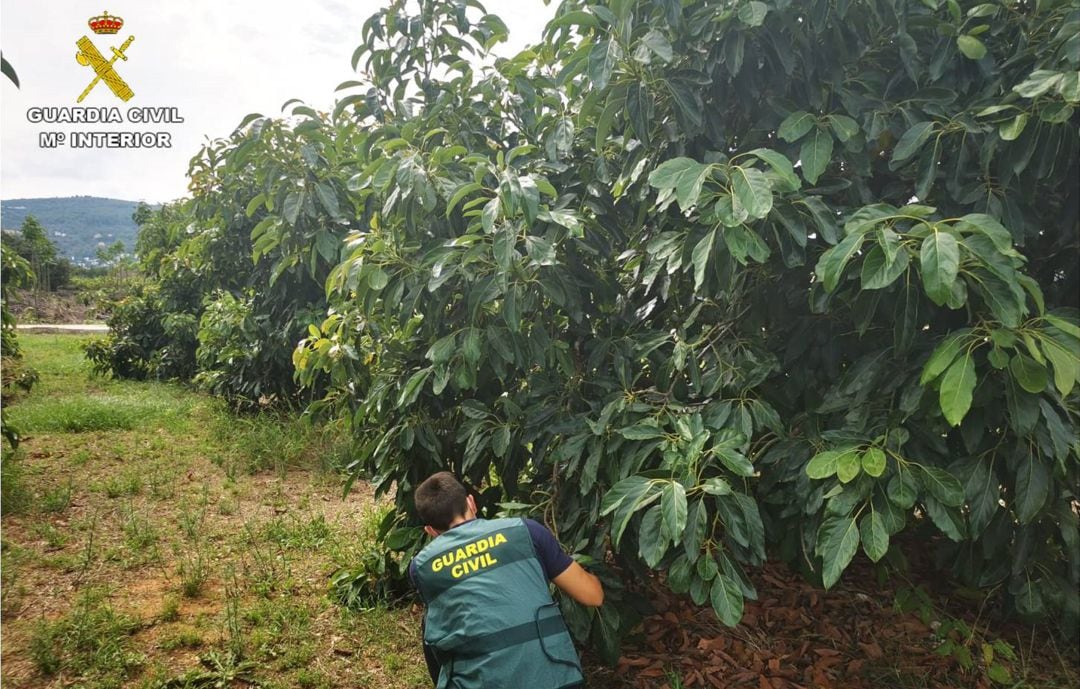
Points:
point(642, 431)
point(734, 461)
point(1030, 374)
point(843, 126)
point(1040, 81)
point(873, 462)
point(875, 538)
point(1011, 130)
point(878, 271)
point(1032, 488)
point(830, 267)
point(684, 175)
point(815, 154)
point(752, 190)
point(674, 511)
point(971, 47)
point(700, 258)
point(630, 486)
point(942, 485)
point(940, 263)
point(903, 491)
point(781, 166)
point(377, 278)
point(823, 464)
point(716, 486)
point(912, 140)
point(999, 673)
point(412, 387)
point(988, 226)
point(443, 349)
point(848, 466)
point(328, 199)
point(753, 13)
point(658, 44)
point(838, 539)
point(1066, 365)
point(652, 545)
point(957, 386)
point(727, 599)
point(795, 126)
point(540, 251)
point(602, 61)
point(943, 355)
point(461, 192)
point(291, 210)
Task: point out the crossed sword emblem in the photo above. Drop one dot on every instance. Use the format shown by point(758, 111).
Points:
point(88, 55)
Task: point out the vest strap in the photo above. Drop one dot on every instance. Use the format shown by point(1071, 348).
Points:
point(514, 636)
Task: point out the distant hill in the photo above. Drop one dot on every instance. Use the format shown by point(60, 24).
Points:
point(76, 224)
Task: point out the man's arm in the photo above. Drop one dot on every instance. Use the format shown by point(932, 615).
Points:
point(580, 585)
point(568, 575)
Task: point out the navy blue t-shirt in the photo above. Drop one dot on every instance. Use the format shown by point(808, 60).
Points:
point(552, 558)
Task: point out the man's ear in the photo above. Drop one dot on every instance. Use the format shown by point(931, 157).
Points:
point(470, 504)
point(430, 531)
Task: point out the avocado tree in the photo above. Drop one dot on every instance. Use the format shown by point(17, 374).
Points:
point(702, 281)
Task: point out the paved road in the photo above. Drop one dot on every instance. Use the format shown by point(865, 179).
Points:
point(63, 327)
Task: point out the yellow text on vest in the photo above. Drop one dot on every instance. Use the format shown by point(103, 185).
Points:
point(469, 558)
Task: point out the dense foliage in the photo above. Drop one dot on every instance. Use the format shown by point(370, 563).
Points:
point(14, 272)
point(696, 282)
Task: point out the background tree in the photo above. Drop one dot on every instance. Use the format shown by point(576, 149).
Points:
point(51, 272)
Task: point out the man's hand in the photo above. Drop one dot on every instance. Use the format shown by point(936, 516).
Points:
point(583, 587)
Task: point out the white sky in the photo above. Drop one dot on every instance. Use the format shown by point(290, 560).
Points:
point(215, 61)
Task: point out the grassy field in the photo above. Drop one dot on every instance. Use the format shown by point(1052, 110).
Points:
point(152, 538)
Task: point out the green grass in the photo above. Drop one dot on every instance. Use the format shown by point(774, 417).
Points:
point(214, 535)
point(92, 641)
point(67, 398)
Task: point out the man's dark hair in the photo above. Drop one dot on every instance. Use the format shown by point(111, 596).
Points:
point(439, 499)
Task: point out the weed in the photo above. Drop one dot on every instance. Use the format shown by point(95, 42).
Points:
point(185, 638)
point(194, 570)
point(11, 591)
point(191, 521)
point(140, 534)
point(80, 458)
point(128, 482)
point(223, 670)
point(92, 641)
point(228, 506)
point(54, 538)
point(297, 656)
point(14, 495)
point(234, 633)
point(312, 679)
point(162, 483)
point(87, 557)
point(170, 609)
point(268, 571)
point(57, 500)
point(295, 533)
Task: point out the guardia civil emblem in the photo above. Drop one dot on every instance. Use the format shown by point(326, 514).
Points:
point(89, 56)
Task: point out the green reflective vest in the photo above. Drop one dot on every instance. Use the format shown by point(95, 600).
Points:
point(490, 618)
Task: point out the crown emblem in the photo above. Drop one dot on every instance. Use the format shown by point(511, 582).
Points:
point(105, 24)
